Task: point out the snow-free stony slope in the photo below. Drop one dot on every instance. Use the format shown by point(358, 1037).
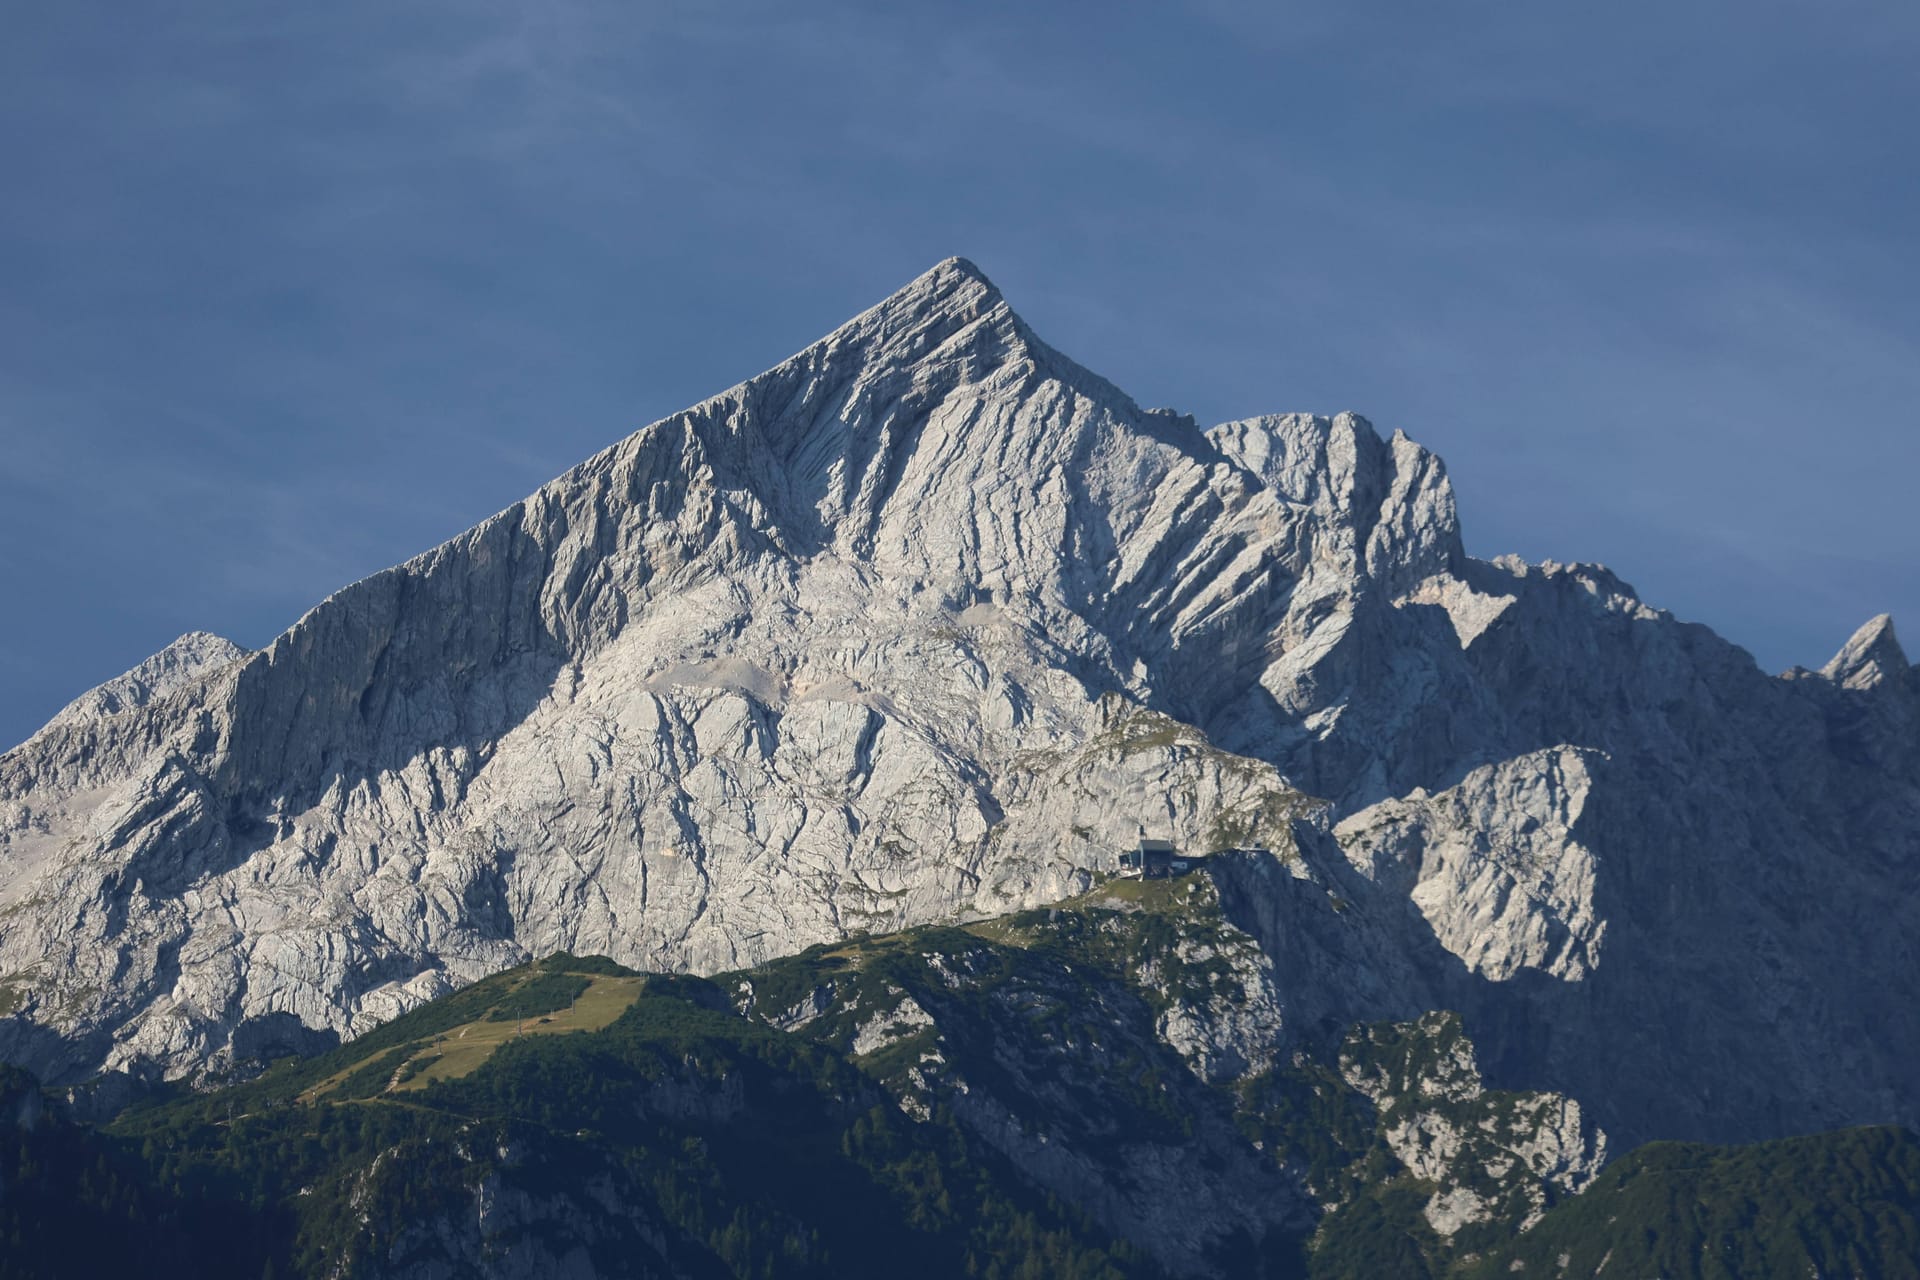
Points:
point(928, 621)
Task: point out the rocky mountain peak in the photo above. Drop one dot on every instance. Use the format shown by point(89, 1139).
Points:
point(952, 282)
point(1870, 658)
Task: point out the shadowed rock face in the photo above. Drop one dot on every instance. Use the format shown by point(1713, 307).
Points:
point(930, 621)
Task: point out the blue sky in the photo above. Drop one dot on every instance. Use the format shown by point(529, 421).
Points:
point(294, 292)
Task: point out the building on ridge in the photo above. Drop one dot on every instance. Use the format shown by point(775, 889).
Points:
point(1157, 860)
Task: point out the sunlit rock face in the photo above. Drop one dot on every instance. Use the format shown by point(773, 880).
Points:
point(929, 622)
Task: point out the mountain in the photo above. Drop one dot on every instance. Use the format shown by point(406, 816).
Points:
point(925, 625)
point(1081, 1090)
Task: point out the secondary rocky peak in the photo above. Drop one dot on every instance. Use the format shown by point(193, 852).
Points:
point(192, 653)
point(191, 656)
point(1870, 658)
point(1392, 495)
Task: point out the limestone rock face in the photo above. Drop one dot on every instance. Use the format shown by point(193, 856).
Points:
point(929, 622)
point(1492, 864)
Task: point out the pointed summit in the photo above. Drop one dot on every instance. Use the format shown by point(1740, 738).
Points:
point(1871, 658)
point(952, 292)
point(957, 272)
point(918, 318)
